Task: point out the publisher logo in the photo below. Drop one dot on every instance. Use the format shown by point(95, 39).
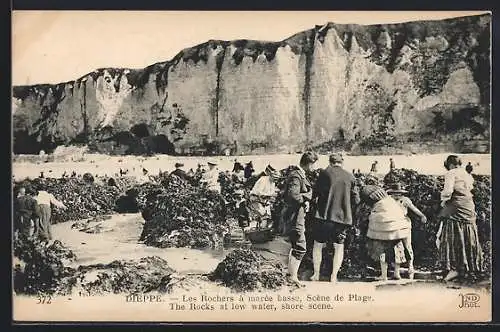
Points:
point(469, 300)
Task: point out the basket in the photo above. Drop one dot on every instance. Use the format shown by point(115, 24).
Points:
point(260, 235)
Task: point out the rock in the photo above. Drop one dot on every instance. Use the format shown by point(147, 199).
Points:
point(125, 277)
point(381, 75)
point(43, 269)
point(247, 270)
point(82, 199)
point(183, 215)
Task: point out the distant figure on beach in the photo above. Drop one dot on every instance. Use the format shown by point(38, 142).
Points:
point(249, 170)
point(374, 167)
point(145, 177)
point(73, 174)
point(238, 172)
point(179, 171)
point(469, 168)
point(41, 175)
point(112, 183)
point(211, 177)
point(392, 165)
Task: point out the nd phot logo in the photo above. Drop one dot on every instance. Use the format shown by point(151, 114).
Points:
point(469, 300)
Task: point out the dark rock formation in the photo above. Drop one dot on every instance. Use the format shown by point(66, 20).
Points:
point(358, 85)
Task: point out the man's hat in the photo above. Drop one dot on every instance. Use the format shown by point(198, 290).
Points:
point(396, 188)
point(213, 163)
point(336, 158)
point(177, 165)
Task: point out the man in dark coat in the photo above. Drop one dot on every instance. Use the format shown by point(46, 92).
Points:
point(24, 208)
point(249, 170)
point(180, 172)
point(297, 194)
point(334, 190)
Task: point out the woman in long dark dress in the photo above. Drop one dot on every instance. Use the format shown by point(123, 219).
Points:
point(457, 239)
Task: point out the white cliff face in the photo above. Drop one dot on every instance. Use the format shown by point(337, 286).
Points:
point(361, 93)
point(70, 122)
point(111, 91)
point(192, 87)
point(289, 113)
point(260, 102)
point(327, 81)
point(460, 88)
point(344, 87)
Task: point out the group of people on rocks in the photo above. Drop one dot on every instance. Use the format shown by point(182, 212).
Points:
point(33, 210)
point(389, 226)
point(331, 199)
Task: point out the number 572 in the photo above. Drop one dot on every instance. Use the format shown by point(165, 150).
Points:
point(44, 299)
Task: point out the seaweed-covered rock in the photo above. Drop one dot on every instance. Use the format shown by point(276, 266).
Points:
point(88, 178)
point(125, 277)
point(123, 183)
point(83, 200)
point(183, 215)
point(246, 270)
point(41, 268)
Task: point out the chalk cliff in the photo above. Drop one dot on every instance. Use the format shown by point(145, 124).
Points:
point(333, 83)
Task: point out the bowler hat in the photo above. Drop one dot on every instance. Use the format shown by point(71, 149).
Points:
point(177, 165)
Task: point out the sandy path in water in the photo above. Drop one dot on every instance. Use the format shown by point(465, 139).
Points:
point(361, 301)
point(121, 242)
point(107, 165)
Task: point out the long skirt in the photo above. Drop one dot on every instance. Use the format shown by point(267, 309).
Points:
point(460, 248)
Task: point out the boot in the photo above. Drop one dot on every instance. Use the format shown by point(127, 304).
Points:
point(293, 270)
point(452, 274)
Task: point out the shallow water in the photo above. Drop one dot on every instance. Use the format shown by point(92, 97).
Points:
point(122, 243)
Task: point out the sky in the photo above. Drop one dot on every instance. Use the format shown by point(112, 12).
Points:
point(59, 46)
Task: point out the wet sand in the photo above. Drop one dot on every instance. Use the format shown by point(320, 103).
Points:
point(121, 242)
point(396, 301)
